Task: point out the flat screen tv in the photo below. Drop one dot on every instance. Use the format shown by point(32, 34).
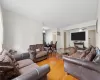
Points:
point(78, 36)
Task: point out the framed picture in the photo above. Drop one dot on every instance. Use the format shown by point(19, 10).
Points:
point(97, 26)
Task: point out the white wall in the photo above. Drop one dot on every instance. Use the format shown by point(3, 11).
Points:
point(98, 25)
point(61, 38)
point(81, 25)
point(86, 42)
point(49, 35)
point(77, 30)
point(90, 25)
point(68, 38)
point(1, 30)
point(20, 31)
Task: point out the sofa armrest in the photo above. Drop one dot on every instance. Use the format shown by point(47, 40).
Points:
point(36, 74)
point(87, 64)
point(21, 56)
point(32, 55)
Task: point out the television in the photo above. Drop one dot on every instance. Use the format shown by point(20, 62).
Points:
point(78, 36)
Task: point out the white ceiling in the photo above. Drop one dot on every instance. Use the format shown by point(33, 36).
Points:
point(54, 13)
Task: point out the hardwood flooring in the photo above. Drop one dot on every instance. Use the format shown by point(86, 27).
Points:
point(57, 69)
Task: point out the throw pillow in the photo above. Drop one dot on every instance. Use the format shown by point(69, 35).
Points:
point(97, 59)
point(37, 50)
point(91, 55)
point(87, 51)
point(83, 55)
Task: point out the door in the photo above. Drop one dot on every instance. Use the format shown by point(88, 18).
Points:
point(65, 40)
point(44, 38)
point(92, 38)
point(54, 38)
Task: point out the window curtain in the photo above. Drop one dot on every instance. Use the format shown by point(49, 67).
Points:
point(1, 30)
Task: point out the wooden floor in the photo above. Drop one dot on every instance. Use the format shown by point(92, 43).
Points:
point(57, 69)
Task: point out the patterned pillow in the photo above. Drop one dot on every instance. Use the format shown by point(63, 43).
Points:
point(32, 47)
point(4, 52)
point(91, 55)
point(6, 57)
point(14, 62)
point(40, 46)
point(83, 55)
point(87, 51)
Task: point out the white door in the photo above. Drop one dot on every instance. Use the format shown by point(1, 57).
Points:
point(92, 38)
point(54, 38)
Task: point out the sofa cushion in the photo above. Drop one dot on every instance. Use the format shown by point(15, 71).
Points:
point(2, 57)
point(72, 50)
point(28, 68)
point(83, 55)
point(40, 54)
point(87, 51)
point(4, 52)
point(32, 47)
point(91, 55)
point(76, 55)
point(23, 63)
point(11, 57)
point(93, 50)
point(37, 50)
point(40, 46)
point(5, 58)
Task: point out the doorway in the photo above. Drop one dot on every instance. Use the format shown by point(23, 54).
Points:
point(44, 38)
point(92, 37)
point(65, 40)
point(54, 37)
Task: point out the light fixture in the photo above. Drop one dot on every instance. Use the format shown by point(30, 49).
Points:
point(80, 30)
point(43, 31)
point(45, 27)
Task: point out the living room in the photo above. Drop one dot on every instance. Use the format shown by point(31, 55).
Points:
point(49, 40)
point(89, 38)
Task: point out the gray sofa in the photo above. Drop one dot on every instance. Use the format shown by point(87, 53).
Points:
point(82, 70)
point(40, 52)
point(83, 67)
point(25, 67)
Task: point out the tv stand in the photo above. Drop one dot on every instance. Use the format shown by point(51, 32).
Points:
point(80, 45)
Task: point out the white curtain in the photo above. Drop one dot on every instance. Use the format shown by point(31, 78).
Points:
point(1, 30)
